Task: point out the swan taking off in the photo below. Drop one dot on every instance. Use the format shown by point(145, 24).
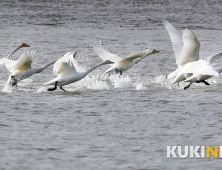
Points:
point(8, 60)
point(120, 64)
point(66, 73)
point(23, 69)
point(201, 70)
point(186, 47)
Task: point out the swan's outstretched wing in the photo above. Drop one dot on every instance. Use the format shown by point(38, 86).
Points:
point(192, 66)
point(104, 54)
point(7, 64)
point(201, 67)
point(65, 65)
point(24, 62)
point(191, 48)
point(176, 39)
point(206, 70)
point(212, 58)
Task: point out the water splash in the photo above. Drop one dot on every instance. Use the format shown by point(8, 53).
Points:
point(7, 89)
point(163, 81)
point(98, 85)
point(25, 82)
point(140, 86)
point(42, 90)
point(122, 82)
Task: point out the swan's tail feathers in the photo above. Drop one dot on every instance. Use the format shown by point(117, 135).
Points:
point(173, 74)
point(179, 78)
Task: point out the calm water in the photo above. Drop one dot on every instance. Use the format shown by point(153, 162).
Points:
point(107, 122)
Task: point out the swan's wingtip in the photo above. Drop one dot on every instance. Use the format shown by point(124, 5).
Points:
point(166, 23)
point(74, 54)
point(98, 43)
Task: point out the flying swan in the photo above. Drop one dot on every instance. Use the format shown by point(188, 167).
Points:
point(120, 65)
point(66, 73)
point(186, 48)
point(201, 70)
point(8, 60)
point(23, 69)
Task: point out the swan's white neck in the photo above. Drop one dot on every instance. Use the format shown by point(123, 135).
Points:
point(91, 69)
point(40, 69)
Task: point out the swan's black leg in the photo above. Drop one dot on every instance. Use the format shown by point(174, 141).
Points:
point(186, 87)
point(206, 83)
point(120, 72)
point(62, 88)
point(54, 88)
point(14, 83)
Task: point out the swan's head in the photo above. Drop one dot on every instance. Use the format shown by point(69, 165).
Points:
point(108, 62)
point(24, 45)
point(154, 51)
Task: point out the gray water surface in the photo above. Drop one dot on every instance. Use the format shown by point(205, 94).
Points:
point(108, 122)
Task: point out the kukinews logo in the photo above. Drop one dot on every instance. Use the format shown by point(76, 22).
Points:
point(194, 151)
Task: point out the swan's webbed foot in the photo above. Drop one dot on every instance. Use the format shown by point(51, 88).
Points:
point(53, 88)
point(120, 73)
point(62, 88)
point(186, 87)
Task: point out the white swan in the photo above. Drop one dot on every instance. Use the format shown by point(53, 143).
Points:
point(23, 69)
point(201, 70)
point(186, 47)
point(66, 73)
point(8, 60)
point(120, 64)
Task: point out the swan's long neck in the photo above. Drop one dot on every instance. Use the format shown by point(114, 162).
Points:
point(138, 57)
point(40, 69)
point(12, 53)
point(91, 69)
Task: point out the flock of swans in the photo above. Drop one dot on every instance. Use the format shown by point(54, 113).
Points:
point(185, 46)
